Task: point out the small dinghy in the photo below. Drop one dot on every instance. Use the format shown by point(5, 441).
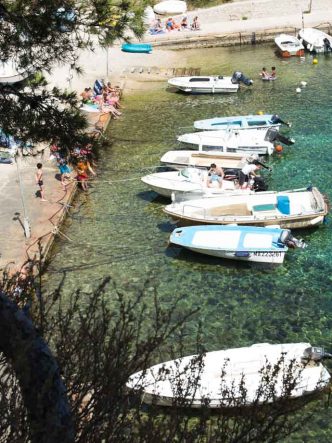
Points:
point(137, 47)
point(233, 377)
point(240, 122)
point(315, 41)
point(210, 85)
point(289, 46)
point(293, 209)
point(259, 141)
point(245, 243)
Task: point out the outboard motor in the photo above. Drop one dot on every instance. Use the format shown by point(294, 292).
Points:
point(275, 119)
point(287, 239)
point(327, 45)
point(238, 77)
point(258, 184)
point(272, 135)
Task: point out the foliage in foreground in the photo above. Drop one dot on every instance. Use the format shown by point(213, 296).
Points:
point(98, 341)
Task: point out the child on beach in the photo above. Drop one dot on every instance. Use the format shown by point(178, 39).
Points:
point(40, 181)
point(64, 172)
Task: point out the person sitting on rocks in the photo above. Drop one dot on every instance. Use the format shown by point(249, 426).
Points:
point(184, 23)
point(195, 26)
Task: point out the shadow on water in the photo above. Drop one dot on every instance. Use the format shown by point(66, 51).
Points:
point(218, 264)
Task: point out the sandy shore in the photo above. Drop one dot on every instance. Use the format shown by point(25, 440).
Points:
point(236, 17)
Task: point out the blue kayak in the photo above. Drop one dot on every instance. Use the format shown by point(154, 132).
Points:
point(137, 47)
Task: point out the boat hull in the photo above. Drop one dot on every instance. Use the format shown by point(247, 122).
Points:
point(293, 209)
point(219, 375)
point(249, 244)
point(136, 48)
point(298, 222)
point(241, 122)
point(181, 159)
point(204, 85)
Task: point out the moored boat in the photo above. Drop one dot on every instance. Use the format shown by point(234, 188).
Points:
point(315, 41)
point(137, 47)
point(202, 159)
point(292, 209)
point(186, 180)
point(240, 122)
point(289, 46)
point(244, 243)
point(210, 84)
point(234, 377)
point(259, 141)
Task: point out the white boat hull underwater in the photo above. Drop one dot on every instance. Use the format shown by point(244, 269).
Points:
point(203, 380)
point(289, 46)
point(210, 84)
point(239, 122)
point(188, 180)
point(202, 159)
point(315, 41)
point(258, 141)
point(249, 244)
point(293, 209)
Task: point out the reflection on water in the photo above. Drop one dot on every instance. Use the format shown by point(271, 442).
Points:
point(119, 228)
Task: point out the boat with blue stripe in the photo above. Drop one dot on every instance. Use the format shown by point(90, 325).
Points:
point(240, 122)
point(245, 243)
point(137, 47)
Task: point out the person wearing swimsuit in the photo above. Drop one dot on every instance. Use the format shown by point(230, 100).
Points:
point(40, 182)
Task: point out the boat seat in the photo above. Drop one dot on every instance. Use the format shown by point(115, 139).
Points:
point(264, 208)
point(235, 210)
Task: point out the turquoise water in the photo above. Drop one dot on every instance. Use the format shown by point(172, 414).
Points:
point(119, 228)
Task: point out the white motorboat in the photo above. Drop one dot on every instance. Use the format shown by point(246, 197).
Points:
point(315, 41)
point(202, 159)
point(210, 84)
point(298, 208)
point(233, 377)
point(289, 46)
point(240, 122)
point(10, 74)
point(259, 141)
point(187, 180)
point(244, 243)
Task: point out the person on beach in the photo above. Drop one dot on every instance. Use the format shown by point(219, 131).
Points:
point(215, 174)
point(65, 171)
point(83, 168)
point(87, 95)
point(40, 181)
point(195, 26)
point(184, 23)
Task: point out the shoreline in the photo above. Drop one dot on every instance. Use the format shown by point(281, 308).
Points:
point(222, 25)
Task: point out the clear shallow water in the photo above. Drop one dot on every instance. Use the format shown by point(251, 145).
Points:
point(119, 229)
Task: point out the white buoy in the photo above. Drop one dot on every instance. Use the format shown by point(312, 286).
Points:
point(304, 84)
point(298, 90)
